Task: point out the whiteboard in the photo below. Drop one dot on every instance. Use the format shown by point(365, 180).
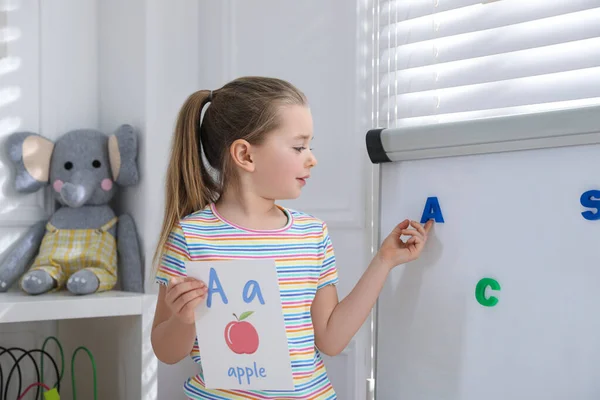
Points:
point(515, 218)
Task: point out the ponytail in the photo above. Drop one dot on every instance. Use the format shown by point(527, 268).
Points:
point(189, 186)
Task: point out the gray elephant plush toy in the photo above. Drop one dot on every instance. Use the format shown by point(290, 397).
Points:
point(83, 246)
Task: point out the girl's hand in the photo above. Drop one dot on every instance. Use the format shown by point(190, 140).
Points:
point(394, 251)
point(183, 296)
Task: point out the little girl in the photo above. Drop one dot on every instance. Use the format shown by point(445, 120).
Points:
point(226, 172)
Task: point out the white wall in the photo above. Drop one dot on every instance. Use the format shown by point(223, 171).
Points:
point(153, 55)
point(319, 46)
point(148, 66)
point(105, 63)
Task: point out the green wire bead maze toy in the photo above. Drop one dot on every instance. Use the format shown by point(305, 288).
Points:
point(43, 390)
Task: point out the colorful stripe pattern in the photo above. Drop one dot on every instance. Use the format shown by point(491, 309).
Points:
point(305, 262)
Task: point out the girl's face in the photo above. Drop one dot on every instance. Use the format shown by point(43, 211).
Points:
point(284, 160)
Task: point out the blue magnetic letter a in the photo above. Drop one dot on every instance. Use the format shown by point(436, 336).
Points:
point(432, 211)
point(214, 286)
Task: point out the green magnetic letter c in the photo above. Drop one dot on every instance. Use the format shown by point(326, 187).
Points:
point(480, 292)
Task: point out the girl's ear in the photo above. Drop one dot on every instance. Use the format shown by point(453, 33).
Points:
point(240, 151)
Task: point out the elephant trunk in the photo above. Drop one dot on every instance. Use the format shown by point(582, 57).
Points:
point(79, 190)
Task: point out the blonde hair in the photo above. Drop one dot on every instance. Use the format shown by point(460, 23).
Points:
point(245, 108)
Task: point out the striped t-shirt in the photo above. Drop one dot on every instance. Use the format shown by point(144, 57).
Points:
point(305, 262)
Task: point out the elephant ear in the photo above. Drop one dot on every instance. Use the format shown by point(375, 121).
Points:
point(122, 152)
point(30, 154)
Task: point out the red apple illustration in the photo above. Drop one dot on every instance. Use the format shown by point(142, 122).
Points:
point(241, 336)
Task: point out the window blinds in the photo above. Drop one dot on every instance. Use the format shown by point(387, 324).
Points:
point(10, 90)
point(454, 60)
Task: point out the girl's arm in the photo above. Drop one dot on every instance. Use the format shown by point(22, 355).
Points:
point(335, 323)
point(174, 328)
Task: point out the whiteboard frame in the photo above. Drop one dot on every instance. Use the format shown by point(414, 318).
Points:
point(550, 129)
point(557, 128)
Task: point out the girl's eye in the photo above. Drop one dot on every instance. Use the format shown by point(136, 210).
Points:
point(299, 149)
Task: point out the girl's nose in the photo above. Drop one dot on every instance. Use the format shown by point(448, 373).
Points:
point(312, 162)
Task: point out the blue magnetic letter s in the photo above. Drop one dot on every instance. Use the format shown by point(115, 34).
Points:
point(591, 199)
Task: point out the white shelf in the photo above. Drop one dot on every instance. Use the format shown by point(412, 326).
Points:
point(19, 307)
